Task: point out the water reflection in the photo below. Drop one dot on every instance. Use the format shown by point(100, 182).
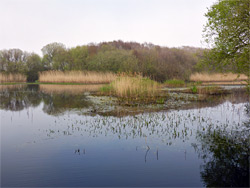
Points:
point(222, 142)
point(226, 157)
point(59, 99)
point(19, 97)
point(225, 153)
point(55, 104)
point(235, 96)
point(56, 99)
point(164, 148)
point(69, 89)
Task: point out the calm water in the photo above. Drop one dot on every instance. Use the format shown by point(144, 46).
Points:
point(48, 140)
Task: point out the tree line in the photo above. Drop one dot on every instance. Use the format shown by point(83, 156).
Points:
point(158, 63)
point(227, 29)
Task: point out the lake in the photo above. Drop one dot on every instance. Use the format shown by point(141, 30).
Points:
point(55, 136)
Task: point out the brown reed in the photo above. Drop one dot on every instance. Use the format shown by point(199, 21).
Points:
point(217, 77)
point(133, 87)
point(77, 77)
point(12, 77)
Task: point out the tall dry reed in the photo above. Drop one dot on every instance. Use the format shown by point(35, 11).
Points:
point(217, 77)
point(76, 77)
point(8, 78)
point(134, 87)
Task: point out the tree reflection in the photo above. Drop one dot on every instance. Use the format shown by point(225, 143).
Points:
point(226, 156)
point(58, 103)
point(17, 98)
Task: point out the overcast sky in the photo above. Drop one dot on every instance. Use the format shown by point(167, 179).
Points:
point(31, 24)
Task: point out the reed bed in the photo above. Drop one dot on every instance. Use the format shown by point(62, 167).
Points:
point(10, 78)
point(76, 77)
point(69, 89)
point(217, 77)
point(132, 87)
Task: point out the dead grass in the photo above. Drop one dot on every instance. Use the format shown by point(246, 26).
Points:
point(70, 89)
point(217, 77)
point(10, 78)
point(76, 77)
point(132, 87)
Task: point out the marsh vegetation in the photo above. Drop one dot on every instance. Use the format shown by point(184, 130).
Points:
point(83, 77)
point(133, 88)
point(219, 78)
point(12, 78)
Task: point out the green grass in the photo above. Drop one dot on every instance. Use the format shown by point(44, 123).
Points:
point(160, 101)
point(106, 89)
point(12, 83)
point(194, 89)
point(174, 83)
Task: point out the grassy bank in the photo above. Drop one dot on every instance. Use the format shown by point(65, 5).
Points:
point(12, 78)
point(174, 83)
point(76, 77)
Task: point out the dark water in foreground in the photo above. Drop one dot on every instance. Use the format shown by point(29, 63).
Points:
point(46, 140)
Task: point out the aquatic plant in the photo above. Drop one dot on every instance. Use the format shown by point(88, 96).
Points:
point(194, 89)
point(106, 89)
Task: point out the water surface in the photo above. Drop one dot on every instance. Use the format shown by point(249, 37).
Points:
point(48, 139)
